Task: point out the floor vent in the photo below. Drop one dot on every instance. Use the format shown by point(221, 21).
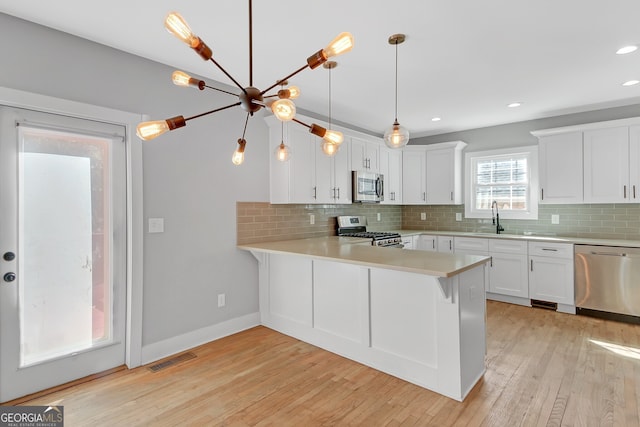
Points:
point(544, 304)
point(171, 362)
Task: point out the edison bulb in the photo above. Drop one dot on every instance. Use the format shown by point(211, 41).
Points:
point(328, 148)
point(177, 26)
point(333, 137)
point(150, 130)
point(341, 44)
point(284, 109)
point(238, 157)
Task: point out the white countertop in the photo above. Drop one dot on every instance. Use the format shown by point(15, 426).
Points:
point(347, 249)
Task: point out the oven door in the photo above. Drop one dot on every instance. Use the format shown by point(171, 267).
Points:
point(368, 187)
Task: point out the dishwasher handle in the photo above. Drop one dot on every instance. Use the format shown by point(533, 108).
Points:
point(609, 253)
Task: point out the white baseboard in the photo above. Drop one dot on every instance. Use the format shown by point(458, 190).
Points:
point(159, 350)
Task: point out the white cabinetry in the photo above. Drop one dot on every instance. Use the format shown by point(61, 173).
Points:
point(426, 242)
point(508, 275)
point(408, 242)
point(391, 169)
point(608, 153)
point(432, 174)
point(551, 274)
point(365, 154)
point(445, 244)
point(309, 176)
point(606, 165)
point(560, 168)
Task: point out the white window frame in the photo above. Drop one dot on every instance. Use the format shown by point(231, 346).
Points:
point(532, 163)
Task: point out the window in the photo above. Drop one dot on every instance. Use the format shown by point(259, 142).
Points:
point(508, 177)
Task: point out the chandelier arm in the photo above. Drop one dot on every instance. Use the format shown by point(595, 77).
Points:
point(279, 82)
point(301, 123)
point(228, 75)
point(212, 111)
point(220, 90)
point(245, 125)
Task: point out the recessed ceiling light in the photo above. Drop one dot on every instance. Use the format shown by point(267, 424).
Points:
point(626, 49)
point(514, 104)
point(631, 83)
point(436, 119)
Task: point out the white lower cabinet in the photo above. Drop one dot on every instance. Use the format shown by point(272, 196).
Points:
point(426, 242)
point(408, 242)
point(551, 271)
point(445, 244)
point(508, 275)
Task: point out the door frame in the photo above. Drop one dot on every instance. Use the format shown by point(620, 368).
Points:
point(135, 221)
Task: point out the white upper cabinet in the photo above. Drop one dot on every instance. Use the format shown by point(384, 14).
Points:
point(606, 165)
point(432, 174)
point(391, 169)
point(610, 162)
point(560, 167)
point(365, 154)
point(309, 176)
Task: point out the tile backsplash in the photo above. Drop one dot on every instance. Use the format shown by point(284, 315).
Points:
point(262, 222)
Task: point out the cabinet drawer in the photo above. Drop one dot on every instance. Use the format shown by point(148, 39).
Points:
point(556, 250)
point(508, 246)
point(470, 243)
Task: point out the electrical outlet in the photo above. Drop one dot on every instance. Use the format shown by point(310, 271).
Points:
point(423, 216)
point(312, 219)
point(458, 216)
point(555, 219)
point(156, 225)
point(378, 216)
point(222, 301)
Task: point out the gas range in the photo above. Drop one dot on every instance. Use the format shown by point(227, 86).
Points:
point(356, 226)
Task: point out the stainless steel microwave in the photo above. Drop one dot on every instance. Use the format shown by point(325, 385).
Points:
point(367, 187)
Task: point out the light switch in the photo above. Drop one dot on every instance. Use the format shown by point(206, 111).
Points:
point(156, 225)
point(423, 216)
point(458, 216)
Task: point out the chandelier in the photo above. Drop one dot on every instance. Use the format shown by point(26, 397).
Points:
point(250, 98)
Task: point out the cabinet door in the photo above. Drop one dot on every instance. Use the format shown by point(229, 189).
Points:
point(427, 243)
point(508, 275)
point(440, 176)
point(606, 165)
point(445, 244)
point(560, 167)
point(551, 279)
point(413, 177)
point(407, 241)
point(634, 164)
point(341, 174)
point(391, 169)
point(302, 178)
point(364, 155)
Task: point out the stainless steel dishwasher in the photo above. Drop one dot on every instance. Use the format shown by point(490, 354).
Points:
point(607, 282)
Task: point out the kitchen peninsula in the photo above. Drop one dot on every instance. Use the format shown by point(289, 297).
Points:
point(419, 316)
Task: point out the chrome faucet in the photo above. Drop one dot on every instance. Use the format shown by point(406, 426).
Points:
point(495, 217)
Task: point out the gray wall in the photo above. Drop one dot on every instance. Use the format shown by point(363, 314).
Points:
point(188, 176)
point(518, 134)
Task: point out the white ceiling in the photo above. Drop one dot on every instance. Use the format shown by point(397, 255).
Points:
point(463, 60)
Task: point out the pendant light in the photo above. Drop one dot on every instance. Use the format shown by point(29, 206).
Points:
point(283, 152)
point(249, 98)
point(396, 136)
point(331, 145)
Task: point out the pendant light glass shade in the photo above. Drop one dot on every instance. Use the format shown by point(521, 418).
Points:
point(283, 153)
point(396, 136)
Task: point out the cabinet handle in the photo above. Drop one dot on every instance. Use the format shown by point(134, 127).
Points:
point(333, 193)
point(338, 193)
point(424, 196)
point(634, 191)
point(550, 249)
point(452, 196)
point(542, 194)
point(450, 247)
point(490, 261)
point(433, 242)
point(315, 192)
point(625, 192)
point(531, 265)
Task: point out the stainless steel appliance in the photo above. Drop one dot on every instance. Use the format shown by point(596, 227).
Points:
point(367, 187)
point(356, 226)
point(607, 282)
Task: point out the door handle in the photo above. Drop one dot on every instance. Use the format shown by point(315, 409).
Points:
point(9, 277)
point(9, 256)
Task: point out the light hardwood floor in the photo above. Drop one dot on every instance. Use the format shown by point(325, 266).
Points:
point(543, 368)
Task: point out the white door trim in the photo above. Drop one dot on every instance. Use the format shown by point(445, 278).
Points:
point(135, 220)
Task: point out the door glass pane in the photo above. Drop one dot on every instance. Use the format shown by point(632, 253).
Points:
point(65, 291)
